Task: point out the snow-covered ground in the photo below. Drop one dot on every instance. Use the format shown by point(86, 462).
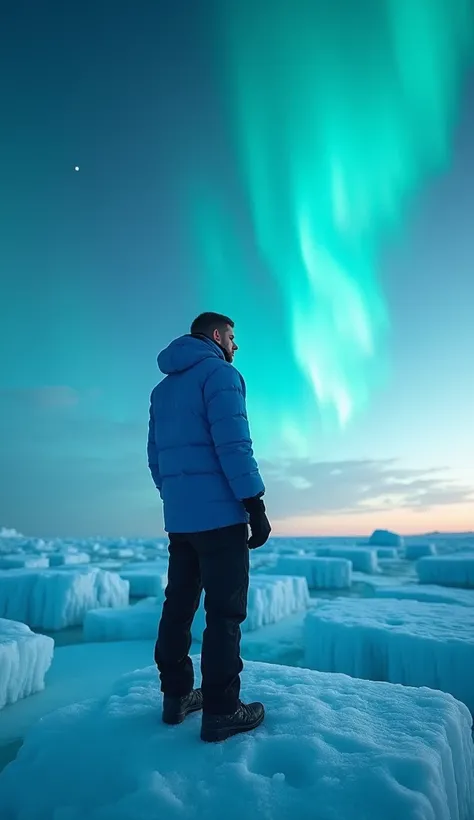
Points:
point(331, 747)
point(423, 637)
point(84, 670)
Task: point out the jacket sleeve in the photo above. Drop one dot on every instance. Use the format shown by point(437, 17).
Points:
point(224, 396)
point(152, 450)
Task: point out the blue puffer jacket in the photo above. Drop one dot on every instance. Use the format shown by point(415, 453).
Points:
point(199, 447)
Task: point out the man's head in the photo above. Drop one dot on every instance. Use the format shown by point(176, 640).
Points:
point(219, 328)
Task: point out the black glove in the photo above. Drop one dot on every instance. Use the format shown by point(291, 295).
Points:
point(259, 523)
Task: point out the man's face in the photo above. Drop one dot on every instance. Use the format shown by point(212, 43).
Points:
point(225, 338)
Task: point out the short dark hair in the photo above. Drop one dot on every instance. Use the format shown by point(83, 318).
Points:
point(206, 323)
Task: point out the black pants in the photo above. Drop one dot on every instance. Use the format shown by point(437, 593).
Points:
point(218, 561)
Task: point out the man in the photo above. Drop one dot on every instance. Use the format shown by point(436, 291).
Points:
point(201, 460)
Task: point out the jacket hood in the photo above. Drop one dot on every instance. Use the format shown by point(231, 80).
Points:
point(185, 352)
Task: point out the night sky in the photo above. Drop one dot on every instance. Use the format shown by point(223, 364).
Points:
point(98, 273)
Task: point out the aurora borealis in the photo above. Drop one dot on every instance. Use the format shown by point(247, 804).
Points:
point(337, 119)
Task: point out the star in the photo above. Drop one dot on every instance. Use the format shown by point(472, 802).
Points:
point(76, 167)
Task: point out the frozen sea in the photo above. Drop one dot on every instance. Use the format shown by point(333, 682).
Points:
point(346, 642)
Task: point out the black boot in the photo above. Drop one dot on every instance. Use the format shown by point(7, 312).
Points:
point(176, 709)
point(220, 727)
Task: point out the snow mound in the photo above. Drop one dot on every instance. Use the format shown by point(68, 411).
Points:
point(55, 599)
point(415, 551)
point(430, 594)
point(24, 660)
point(363, 559)
point(131, 623)
point(320, 573)
point(331, 747)
point(409, 642)
point(145, 579)
point(24, 562)
point(447, 570)
point(271, 599)
point(385, 538)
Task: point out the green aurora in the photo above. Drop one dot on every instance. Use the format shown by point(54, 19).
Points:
point(338, 111)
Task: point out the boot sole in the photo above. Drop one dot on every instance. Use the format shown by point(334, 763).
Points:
point(219, 735)
point(179, 717)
